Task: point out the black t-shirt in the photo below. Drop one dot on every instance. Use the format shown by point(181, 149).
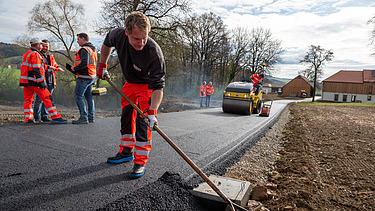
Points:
point(143, 67)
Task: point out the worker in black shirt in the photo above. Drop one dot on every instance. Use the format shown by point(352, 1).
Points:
point(143, 66)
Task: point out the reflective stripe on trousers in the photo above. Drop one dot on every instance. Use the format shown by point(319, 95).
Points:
point(44, 94)
point(134, 130)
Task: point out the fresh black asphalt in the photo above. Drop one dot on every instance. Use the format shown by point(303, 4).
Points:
point(63, 167)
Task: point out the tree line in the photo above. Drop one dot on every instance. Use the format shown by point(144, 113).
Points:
point(195, 47)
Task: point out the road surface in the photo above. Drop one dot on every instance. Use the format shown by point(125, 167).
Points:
point(63, 167)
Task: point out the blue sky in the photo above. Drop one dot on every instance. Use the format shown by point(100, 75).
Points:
point(337, 25)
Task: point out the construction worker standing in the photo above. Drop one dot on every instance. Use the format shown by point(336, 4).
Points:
point(143, 66)
point(32, 80)
point(209, 92)
point(85, 69)
point(256, 79)
point(203, 92)
point(50, 77)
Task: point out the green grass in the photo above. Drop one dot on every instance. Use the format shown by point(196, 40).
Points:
point(333, 104)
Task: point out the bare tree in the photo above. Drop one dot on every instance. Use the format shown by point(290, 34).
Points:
point(316, 58)
point(205, 35)
point(164, 15)
point(263, 48)
point(372, 36)
point(239, 48)
point(61, 19)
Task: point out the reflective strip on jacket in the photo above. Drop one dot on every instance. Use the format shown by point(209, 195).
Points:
point(209, 90)
point(91, 66)
point(32, 68)
point(203, 91)
point(256, 79)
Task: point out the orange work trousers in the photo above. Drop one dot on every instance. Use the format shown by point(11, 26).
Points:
point(45, 96)
point(134, 130)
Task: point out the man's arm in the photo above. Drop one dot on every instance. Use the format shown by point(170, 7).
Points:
point(156, 98)
point(104, 54)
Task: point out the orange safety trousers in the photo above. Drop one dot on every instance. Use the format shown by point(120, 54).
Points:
point(135, 133)
point(44, 94)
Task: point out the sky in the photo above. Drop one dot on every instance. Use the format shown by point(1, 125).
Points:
point(337, 25)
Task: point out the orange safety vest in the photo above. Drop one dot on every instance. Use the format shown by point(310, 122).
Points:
point(203, 90)
point(32, 68)
point(256, 79)
point(93, 58)
point(209, 90)
point(53, 64)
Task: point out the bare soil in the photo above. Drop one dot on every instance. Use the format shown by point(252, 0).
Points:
point(323, 161)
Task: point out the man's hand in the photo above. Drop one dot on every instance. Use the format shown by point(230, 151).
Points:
point(151, 121)
point(42, 85)
point(102, 72)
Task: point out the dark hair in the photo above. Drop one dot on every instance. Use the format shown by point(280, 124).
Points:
point(84, 36)
point(46, 41)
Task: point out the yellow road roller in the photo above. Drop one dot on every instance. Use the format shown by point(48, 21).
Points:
point(239, 97)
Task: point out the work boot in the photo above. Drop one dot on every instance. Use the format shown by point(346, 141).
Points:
point(137, 171)
point(31, 121)
point(45, 119)
point(80, 121)
point(59, 121)
point(91, 121)
point(125, 156)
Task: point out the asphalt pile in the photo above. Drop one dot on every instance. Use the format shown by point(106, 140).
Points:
point(169, 192)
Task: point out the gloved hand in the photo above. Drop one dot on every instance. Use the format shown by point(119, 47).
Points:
point(102, 72)
point(151, 121)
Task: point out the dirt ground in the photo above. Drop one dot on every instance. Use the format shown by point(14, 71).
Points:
point(324, 159)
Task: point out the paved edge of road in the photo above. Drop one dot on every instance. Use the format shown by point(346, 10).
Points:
point(228, 158)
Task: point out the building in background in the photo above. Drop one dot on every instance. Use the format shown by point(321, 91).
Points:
point(300, 86)
point(350, 86)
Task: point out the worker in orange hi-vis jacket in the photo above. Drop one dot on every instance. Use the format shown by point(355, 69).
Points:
point(203, 92)
point(209, 92)
point(256, 79)
point(50, 77)
point(33, 82)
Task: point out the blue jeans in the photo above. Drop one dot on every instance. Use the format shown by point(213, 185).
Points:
point(208, 100)
point(202, 101)
point(84, 88)
point(39, 106)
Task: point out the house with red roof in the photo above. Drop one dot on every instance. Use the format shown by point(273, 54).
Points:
point(350, 86)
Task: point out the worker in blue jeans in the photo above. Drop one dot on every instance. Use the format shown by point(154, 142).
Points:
point(84, 89)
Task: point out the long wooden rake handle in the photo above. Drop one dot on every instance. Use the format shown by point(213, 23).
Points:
point(179, 151)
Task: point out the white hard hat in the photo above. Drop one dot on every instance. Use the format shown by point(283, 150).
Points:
point(35, 40)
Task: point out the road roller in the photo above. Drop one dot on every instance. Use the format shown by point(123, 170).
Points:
point(240, 98)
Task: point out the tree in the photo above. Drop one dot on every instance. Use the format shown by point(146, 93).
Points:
point(61, 19)
point(239, 48)
point(316, 58)
point(205, 35)
point(372, 36)
point(164, 15)
point(263, 48)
